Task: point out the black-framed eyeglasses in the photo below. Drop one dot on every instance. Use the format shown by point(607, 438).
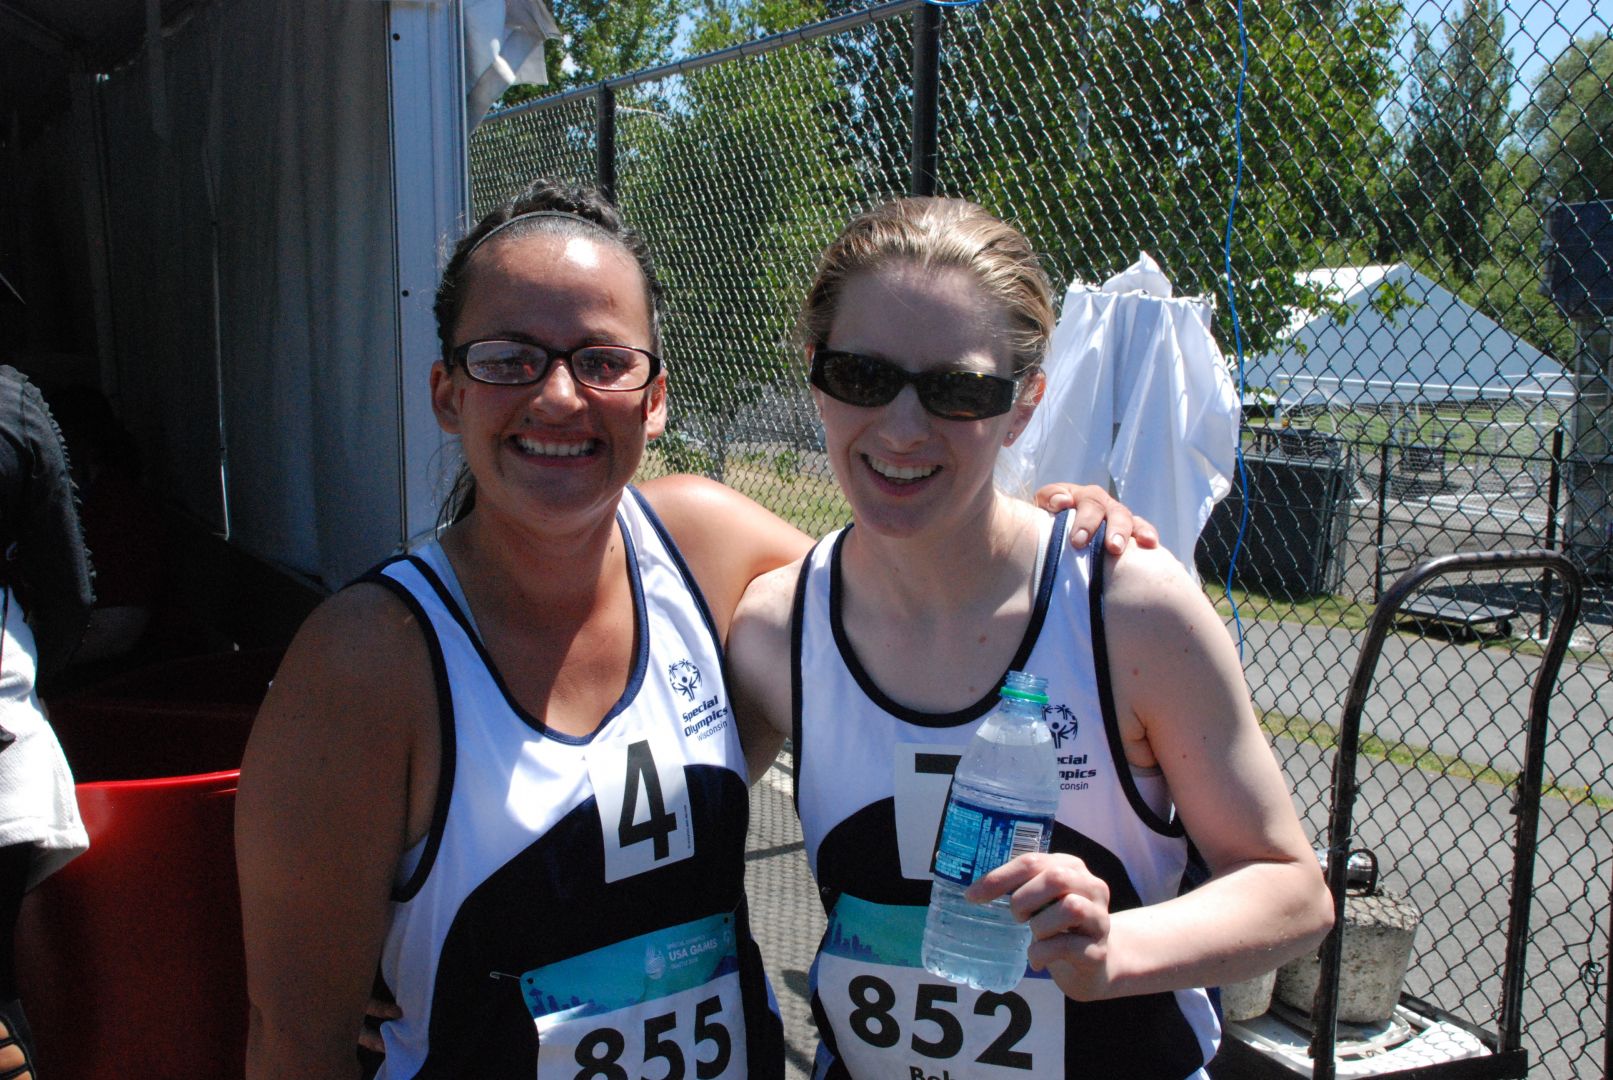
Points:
point(521, 363)
point(952, 395)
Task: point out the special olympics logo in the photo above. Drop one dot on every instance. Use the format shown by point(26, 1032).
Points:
point(1061, 722)
point(684, 677)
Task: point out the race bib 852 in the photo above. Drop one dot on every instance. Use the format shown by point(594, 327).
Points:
point(893, 1018)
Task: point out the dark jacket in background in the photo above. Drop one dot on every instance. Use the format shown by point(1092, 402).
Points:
point(42, 554)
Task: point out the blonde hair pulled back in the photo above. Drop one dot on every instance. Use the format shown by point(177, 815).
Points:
point(936, 234)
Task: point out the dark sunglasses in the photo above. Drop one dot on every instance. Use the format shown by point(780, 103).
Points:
point(952, 395)
point(521, 363)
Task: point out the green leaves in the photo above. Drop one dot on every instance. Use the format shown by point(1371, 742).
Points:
point(1568, 125)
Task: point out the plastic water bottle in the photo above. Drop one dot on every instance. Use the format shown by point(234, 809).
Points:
point(1004, 795)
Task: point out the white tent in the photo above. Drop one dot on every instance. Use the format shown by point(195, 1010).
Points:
point(1406, 339)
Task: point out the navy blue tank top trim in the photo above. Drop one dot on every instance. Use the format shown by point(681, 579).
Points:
point(635, 676)
point(1106, 701)
point(445, 732)
point(987, 701)
point(676, 554)
point(797, 614)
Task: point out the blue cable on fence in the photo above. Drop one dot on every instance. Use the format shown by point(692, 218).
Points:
point(1237, 332)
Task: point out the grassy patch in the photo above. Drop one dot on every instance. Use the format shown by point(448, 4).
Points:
point(1322, 734)
point(1326, 610)
point(811, 503)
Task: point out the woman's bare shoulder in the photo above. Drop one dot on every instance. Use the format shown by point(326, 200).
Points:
point(358, 673)
point(1148, 589)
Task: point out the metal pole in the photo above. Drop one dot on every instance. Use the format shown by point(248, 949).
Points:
point(1383, 510)
point(1553, 486)
point(1509, 1022)
point(1324, 1008)
point(926, 97)
point(605, 141)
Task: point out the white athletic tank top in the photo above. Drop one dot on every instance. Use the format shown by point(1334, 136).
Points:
point(871, 783)
point(577, 909)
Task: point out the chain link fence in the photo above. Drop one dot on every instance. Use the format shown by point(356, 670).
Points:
point(1420, 253)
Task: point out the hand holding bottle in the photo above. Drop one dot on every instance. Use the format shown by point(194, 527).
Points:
point(1066, 907)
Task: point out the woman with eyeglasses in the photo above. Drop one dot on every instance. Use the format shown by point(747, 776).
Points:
point(499, 778)
point(925, 329)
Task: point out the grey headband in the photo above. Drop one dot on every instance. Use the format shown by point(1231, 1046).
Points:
point(530, 215)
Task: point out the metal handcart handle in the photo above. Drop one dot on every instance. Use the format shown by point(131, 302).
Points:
point(1341, 818)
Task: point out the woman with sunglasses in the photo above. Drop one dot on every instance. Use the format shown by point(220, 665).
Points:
point(500, 775)
point(925, 329)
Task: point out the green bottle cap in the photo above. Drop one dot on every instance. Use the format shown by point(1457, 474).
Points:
point(1023, 686)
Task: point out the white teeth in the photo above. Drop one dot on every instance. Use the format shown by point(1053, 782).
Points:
point(554, 449)
point(898, 472)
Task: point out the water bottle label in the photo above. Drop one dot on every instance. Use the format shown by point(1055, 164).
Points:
point(975, 840)
point(922, 777)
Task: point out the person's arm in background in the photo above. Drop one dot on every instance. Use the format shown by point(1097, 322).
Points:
point(47, 565)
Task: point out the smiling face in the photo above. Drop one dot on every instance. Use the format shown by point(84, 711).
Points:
point(904, 471)
point(555, 451)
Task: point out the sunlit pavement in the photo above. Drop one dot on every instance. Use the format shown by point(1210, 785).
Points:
point(786, 916)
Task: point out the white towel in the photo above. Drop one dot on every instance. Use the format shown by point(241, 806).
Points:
point(1140, 400)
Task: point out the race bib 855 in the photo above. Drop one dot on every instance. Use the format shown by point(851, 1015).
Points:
point(662, 1006)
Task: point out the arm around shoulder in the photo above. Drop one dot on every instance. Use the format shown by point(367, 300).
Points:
point(727, 539)
point(758, 662)
point(321, 819)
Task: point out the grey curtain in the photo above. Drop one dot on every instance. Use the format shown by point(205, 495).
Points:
point(252, 276)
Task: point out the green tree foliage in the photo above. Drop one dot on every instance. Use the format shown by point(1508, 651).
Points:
point(604, 38)
point(1456, 124)
point(1564, 151)
point(731, 172)
point(600, 39)
point(1507, 284)
point(1120, 136)
point(1566, 131)
point(1568, 124)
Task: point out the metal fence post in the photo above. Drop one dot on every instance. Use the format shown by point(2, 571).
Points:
point(1553, 486)
point(605, 141)
point(1383, 512)
point(926, 97)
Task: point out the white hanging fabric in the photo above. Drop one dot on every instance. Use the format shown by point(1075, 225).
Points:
point(503, 45)
point(1138, 399)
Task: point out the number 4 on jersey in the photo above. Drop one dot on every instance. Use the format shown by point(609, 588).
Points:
point(660, 824)
point(643, 807)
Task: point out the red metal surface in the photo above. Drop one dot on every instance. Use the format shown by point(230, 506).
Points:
point(130, 958)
